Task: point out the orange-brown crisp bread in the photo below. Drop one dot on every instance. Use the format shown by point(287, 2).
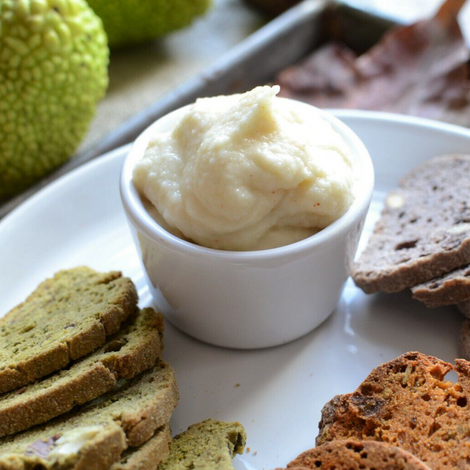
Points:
point(408, 403)
point(357, 455)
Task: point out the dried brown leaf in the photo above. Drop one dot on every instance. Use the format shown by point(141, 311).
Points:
point(421, 69)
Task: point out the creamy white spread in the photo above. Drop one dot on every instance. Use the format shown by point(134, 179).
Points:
point(247, 172)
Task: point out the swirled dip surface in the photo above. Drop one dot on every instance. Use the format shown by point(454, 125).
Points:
point(247, 172)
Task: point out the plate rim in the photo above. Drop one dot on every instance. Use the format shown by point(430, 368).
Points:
point(25, 209)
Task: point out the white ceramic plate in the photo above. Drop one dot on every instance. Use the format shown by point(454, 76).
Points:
point(276, 393)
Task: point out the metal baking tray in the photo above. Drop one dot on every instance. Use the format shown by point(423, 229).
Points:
point(257, 60)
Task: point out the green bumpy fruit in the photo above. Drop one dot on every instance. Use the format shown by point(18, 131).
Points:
point(53, 70)
point(130, 22)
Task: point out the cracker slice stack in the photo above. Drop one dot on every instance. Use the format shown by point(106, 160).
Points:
point(408, 403)
point(83, 385)
point(82, 382)
point(404, 416)
point(422, 241)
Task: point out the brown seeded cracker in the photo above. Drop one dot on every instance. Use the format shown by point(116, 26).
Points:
point(408, 403)
point(135, 348)
point(449, 289)
point(94, 436)
point(424, 231)
point(65, 318)
point(357, 455)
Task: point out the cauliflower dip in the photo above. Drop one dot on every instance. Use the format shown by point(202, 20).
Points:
point(246, 172)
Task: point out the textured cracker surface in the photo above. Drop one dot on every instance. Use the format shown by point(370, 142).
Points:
point(357, 455)
point(408, 403)
point(424, 231)
point(207, 445)
point(127, 416)
point(65, 318)
point(149, 455)
point(451, 288)
point(135, 348)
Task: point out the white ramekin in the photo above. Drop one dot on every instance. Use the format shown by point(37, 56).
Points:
point(251, 299)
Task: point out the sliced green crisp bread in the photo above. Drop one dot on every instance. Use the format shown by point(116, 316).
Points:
point(135, 348)
point(424, 230)
point(149, 455)
point(209, 445)
point(357, 455)
point(94, 436)
point(65, 318)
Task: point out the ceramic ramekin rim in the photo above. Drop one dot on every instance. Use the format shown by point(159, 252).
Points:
point(138, 215)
